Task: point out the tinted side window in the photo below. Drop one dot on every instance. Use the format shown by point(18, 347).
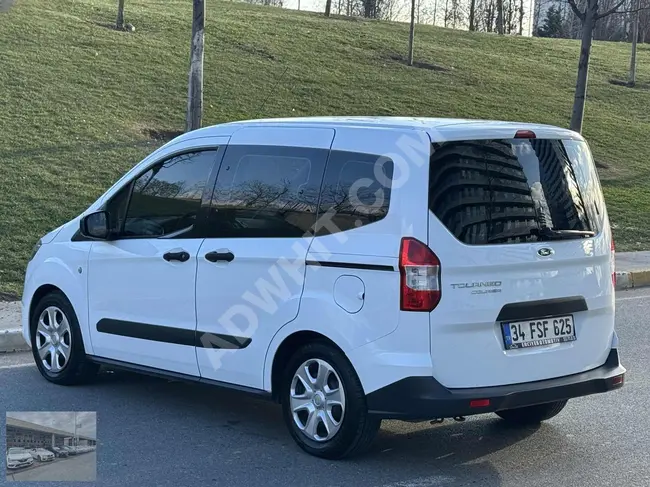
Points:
point(356, 191)
point(165, 200)
point(265, 191)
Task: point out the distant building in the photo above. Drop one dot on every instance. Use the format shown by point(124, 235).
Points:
point(31, 435)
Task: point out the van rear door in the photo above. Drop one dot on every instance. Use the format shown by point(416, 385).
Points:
point(521, 231)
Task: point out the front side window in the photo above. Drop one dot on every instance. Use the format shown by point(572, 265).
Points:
point(165, 200)
point(267, 192)
point(514, 190)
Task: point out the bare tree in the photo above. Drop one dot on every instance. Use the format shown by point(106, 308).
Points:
point(119, 23)
point(588, 16)
point(635, 39)
point(411, 33)
point(195, 84)
point(644, 22)
point(472, 15)
point(500, 29)
point(328, 7)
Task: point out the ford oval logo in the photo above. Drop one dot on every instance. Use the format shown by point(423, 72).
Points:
point(545, 252)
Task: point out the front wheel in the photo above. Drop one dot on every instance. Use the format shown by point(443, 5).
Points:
point(324, 405)
point(531, 415)
point(57, 344)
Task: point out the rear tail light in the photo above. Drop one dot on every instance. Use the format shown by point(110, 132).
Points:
point(619, 379)
point(419, 268)
point(613, 248)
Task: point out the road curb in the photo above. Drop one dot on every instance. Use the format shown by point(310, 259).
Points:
point(632, 279)
point(12, 341)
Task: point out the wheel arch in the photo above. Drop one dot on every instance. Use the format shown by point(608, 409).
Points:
point(39, 294)
point(285, 350)
point(54, 275)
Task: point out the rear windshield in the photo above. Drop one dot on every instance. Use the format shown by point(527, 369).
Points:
point(514, 190)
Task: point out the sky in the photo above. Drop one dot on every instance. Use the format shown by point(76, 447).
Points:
point(87, 420)
point(402, 9)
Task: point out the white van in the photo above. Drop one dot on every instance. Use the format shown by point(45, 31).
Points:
point(353, 269)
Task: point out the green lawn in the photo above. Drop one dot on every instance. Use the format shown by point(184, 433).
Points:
point(76, 98)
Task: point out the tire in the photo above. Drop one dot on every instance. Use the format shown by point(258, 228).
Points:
point(532, 415)
point(76, 369)
point(356, 428)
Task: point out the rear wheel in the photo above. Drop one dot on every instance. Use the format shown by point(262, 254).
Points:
point(57, 344)
point(324, 405)
point(531, 415)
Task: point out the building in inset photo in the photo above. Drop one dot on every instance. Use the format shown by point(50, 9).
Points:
point(62, 446)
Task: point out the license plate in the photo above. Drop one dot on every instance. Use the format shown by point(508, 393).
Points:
point(536, 333)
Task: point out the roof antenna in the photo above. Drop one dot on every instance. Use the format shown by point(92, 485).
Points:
point(271, 92)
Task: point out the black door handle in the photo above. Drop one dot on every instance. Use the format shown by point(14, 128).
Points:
point(181, 256)
point(217, 256)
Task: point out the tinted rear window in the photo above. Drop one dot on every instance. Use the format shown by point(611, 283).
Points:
point(504, 191)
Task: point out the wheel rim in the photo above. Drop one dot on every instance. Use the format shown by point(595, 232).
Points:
point(317, 400)
point(53, 339)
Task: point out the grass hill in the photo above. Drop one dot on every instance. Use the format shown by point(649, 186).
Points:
point(80, 102)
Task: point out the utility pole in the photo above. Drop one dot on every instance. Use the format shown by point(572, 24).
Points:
point(195, 85)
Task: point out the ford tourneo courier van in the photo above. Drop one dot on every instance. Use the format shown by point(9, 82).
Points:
point(352, 269)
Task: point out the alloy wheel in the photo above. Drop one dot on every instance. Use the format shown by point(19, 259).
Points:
point(317, 400)
point(53, 339)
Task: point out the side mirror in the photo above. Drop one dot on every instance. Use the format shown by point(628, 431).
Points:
point(95, 226)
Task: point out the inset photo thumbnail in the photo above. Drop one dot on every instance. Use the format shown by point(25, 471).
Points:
point(51, 446)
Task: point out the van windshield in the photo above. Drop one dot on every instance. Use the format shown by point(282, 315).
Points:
point(515, 190)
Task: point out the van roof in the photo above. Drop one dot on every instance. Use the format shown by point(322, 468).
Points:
point(440, 129)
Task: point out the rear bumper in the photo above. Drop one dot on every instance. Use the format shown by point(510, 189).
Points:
point(425, 398)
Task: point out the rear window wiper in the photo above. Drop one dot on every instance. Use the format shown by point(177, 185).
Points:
point(546, 233)
point(543, 233)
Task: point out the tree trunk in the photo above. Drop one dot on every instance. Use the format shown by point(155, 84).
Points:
point(578, 112)
point(521, 18)
point(328, 8)
point(446, 12)
point(472, 15)
point(500, 17)
point(195, 85)
point(412, 33)
point(635, 39)
point(119, 23)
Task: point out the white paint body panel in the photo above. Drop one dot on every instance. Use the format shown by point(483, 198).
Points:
point(259, 292)
point(464, 330)
point(128, 280)
point(251, 297)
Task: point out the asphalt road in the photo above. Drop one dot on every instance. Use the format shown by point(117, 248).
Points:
point(77, 468)
point(153, 432)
